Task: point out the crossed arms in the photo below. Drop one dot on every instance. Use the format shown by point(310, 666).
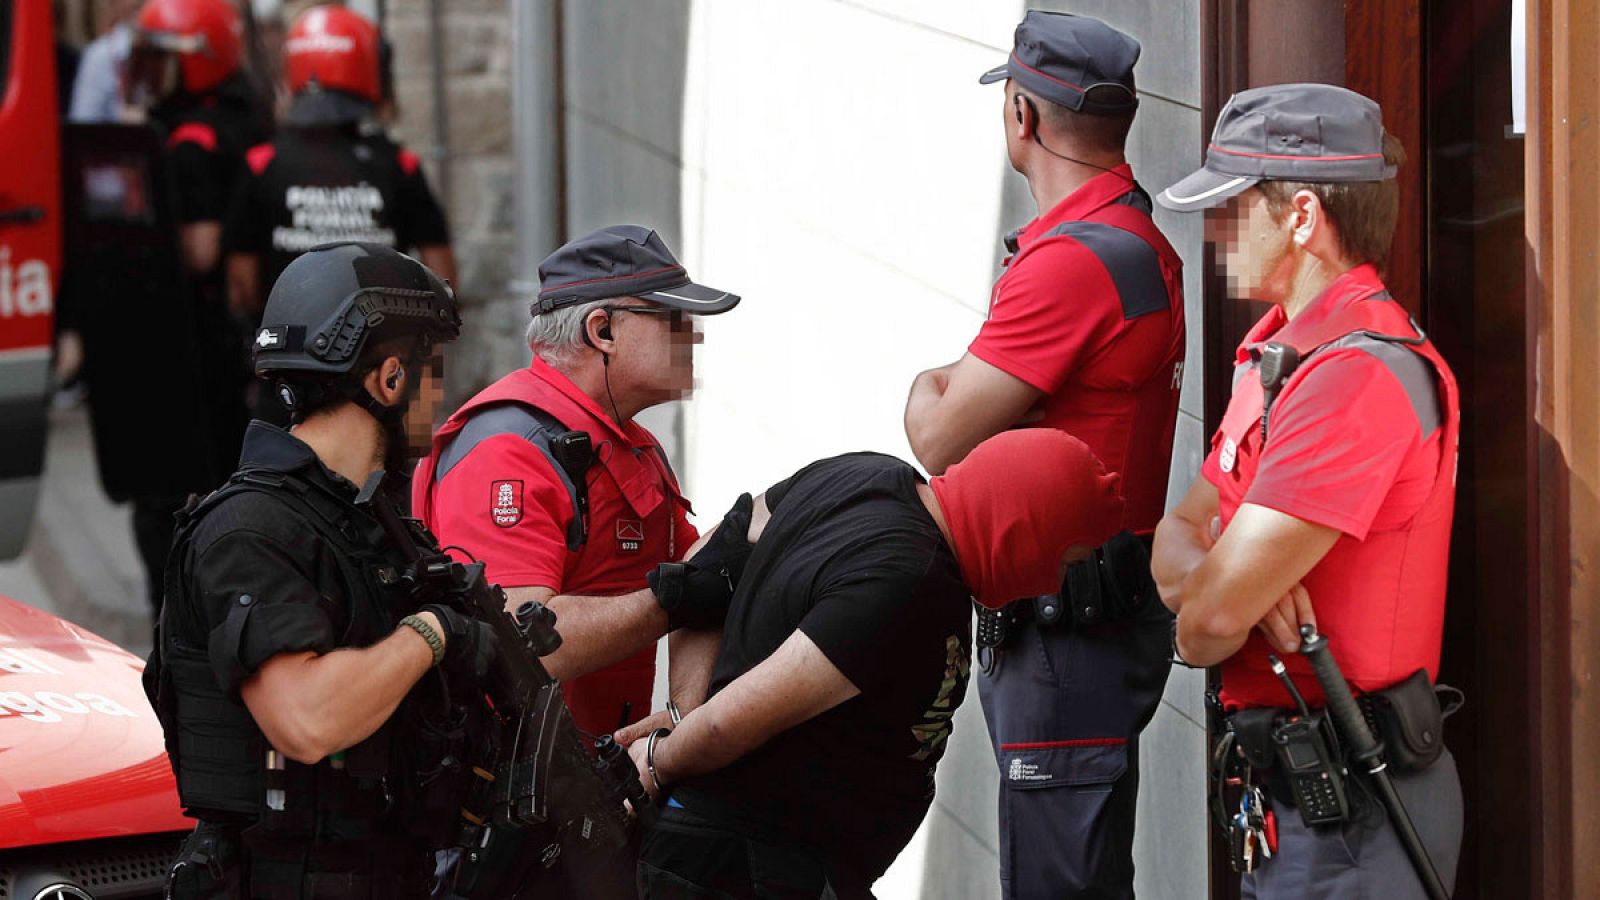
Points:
point(1221, 587)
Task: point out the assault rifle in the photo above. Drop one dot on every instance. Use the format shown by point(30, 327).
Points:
point(517, 816)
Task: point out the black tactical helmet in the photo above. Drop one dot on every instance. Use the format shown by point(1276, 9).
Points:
point(331, 299)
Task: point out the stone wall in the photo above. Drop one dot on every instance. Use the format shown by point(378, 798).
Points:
point(469, 165)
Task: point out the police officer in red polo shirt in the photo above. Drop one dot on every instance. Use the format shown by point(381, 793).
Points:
point(579, 524)
point(1085, 333)
point(546, 477)
point(1328, 492)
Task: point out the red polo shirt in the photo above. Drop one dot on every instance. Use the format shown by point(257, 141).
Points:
point(1354, 443)
point(1089, 310)
point(505, 504)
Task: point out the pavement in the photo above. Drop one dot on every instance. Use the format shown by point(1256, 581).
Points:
point(80, 562)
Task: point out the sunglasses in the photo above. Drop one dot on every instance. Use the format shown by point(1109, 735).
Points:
point(678, 318)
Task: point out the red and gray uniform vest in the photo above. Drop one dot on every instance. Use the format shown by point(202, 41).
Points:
point(1123, 236)
point(540, 414)
point(1376, 325)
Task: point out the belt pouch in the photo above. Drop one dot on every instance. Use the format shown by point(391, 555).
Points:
point(1253, 728)
point(1410, 722)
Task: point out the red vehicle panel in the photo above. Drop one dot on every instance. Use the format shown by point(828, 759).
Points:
point(30, 176)
point(81, 754)
point(30, 254)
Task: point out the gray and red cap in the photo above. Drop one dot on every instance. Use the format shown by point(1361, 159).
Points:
point(1072, 61)
point(623, 261)
point(1315, 133)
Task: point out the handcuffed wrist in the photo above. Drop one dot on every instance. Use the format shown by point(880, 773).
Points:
point(650, 756)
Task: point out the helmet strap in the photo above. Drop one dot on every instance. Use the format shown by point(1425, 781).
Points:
point(386, 415)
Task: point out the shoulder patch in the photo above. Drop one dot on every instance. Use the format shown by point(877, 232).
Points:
point(260, 156)
point(1415, 375)
point(505, 503)
point(197, 133)
point(1134, 266)
point(408, 161)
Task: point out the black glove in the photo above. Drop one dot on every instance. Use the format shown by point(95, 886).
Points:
point(696, 594)
point(469, 645)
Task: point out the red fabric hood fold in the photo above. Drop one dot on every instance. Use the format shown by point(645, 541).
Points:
point(1017, 503)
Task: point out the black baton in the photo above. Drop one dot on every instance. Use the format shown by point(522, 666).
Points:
point(1367, 751)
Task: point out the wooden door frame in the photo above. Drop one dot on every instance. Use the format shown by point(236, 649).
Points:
point(1563, 341)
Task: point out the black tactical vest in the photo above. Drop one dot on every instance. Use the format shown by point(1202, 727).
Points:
point(404, 781)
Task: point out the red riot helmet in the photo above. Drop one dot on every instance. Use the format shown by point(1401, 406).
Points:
point(335, 48)
point(201, 37)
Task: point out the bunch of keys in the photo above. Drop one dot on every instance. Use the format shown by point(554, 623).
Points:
point(1255, 830)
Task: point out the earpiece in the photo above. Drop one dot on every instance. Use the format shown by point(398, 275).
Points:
point(603, 331)
point(1018, 99)
point(394, 378)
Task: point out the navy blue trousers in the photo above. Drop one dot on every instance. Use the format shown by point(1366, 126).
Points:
point(1064, 709)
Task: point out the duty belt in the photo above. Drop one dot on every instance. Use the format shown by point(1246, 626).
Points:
point(1294, 756)
point(1112, 585)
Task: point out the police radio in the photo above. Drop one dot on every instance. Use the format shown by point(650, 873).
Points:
point(574, 453)
point(1278, 362)
point(1315, 773)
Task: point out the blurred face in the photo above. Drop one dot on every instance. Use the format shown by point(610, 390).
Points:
point(1255, 253)
point(426, 404)
point(152, 75)
point(655, 350)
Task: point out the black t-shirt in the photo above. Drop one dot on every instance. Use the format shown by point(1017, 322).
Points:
point(255, 544)
point(312, 186)
point(853, 559)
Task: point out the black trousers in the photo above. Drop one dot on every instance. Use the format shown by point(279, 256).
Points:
point(688, 857)
point(218, 864)
point(153, 525)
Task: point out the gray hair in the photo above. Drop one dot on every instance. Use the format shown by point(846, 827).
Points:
point(555, 336)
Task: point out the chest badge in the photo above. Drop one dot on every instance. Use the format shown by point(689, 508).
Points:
point(630, 535)
point(505, 503)
point(1229, 455)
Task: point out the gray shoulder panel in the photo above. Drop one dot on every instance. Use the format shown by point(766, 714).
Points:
point(1134, 266)
point(532, 425)
point(1414, 373)
point(1138, 198)
point(1240, 370)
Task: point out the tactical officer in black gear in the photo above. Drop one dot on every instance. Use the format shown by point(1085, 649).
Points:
point(316, 716)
